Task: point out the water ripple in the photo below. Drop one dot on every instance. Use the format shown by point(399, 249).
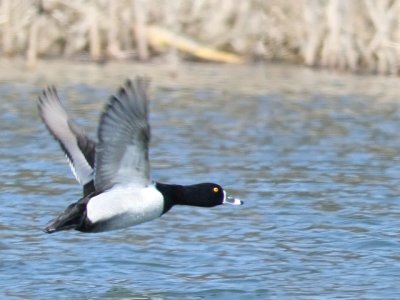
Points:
point(318, 172)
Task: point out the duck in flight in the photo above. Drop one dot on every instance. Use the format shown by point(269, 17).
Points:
point(115, 172)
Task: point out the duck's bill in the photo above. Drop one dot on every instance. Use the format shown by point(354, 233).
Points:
point(231, 200)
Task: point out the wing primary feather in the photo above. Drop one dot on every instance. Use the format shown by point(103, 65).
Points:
point(78, 148)
point(124, 136)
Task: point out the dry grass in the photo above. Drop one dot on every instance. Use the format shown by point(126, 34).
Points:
point(356, 35)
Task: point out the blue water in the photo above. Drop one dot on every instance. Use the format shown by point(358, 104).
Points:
point(315, 158)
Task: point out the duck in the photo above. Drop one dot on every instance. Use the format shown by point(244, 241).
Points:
point(114, 173)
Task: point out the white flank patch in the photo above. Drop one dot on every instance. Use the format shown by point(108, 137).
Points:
point(124, 206)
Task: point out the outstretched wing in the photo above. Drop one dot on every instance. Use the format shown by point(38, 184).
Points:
point(122, 153)
point(78, 148)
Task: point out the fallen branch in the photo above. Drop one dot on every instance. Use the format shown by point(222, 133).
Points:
point(159, 38)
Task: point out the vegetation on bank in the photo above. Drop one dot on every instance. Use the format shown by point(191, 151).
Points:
point(356, 35)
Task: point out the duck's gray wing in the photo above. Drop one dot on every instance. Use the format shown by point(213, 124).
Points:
point(78, 148)
point(122, 153)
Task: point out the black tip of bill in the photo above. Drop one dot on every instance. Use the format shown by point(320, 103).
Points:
point(231, 200)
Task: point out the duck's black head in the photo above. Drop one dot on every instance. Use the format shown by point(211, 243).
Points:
point(202, 195)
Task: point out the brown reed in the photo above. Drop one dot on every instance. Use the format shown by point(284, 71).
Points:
point(355, 35)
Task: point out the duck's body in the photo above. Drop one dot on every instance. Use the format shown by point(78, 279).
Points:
point(125, 206)
point(115, 173)
point(117, 208)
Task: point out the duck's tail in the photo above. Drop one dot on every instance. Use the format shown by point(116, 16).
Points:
point(71, 218)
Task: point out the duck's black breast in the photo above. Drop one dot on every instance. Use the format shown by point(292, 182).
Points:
point(170, 193)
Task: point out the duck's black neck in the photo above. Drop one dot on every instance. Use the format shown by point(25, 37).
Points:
point(183, 195)
point(173, 194)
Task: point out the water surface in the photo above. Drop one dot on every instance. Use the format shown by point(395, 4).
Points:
point(314, 155)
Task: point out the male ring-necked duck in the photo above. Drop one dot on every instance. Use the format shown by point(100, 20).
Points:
point(115, 172)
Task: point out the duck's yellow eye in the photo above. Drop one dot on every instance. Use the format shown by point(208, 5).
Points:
point(215, 190)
